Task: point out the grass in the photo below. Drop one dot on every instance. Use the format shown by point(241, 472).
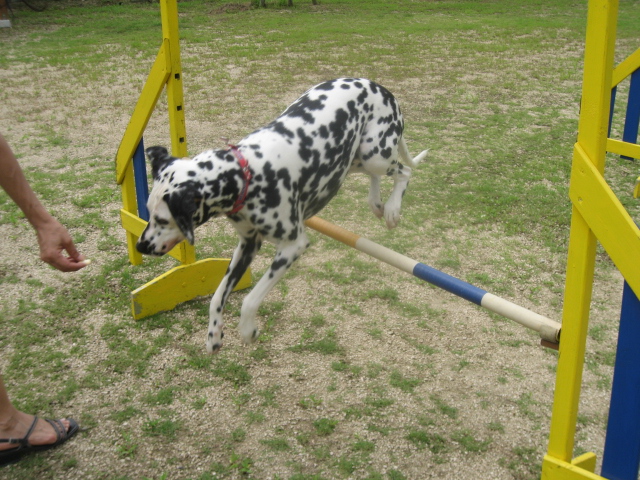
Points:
point(360, 370)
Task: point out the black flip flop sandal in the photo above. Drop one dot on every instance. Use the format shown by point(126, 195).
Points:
point(24, 447)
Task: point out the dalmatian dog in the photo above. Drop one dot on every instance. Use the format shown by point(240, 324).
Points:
point(277, 177)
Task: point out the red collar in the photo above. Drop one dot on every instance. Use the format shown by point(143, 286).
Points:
point(246, 175)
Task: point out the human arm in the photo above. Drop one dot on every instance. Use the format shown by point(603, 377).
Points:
point(53, 238)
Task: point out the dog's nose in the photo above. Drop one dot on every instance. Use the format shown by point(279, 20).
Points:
point(144, 247)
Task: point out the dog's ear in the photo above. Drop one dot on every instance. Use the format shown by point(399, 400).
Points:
point(159, 158)
point(183, 205)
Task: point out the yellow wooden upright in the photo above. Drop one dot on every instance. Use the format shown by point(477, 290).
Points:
point(192, 278)
point(597, 216)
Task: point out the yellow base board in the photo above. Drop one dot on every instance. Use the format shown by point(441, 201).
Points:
point(181, 284)
point(580, 468)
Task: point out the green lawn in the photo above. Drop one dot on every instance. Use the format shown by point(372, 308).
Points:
point(360, 371)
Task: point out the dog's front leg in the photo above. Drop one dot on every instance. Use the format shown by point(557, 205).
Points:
point(375, 202)
point(286, 254)
point(241, 259)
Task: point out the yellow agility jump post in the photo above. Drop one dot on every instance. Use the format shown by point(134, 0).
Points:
point(192, 278)
point(597, 216)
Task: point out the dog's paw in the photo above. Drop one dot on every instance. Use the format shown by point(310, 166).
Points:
point(392, 217)
point(249, 336)
point(377, 209)
point(392, 212)
point(214, 342)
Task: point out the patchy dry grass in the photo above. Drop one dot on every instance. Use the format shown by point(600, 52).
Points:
point(360, 371)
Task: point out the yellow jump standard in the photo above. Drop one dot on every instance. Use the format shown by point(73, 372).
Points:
point(191, 279)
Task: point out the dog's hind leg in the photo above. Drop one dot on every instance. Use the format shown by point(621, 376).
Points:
point(242, 257)
point(287, 252)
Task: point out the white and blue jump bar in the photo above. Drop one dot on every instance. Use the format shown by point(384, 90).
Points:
point(548, 329)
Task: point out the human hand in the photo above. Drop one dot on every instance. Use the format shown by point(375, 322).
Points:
point(53, 239)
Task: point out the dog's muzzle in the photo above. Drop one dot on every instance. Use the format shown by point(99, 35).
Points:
point(146, 248)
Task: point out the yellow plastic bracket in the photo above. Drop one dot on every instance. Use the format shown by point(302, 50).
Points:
point(180, 284)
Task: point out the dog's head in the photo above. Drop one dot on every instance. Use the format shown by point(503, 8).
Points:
point(174, 200)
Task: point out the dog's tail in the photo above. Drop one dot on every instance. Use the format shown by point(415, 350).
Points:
point(405, 156)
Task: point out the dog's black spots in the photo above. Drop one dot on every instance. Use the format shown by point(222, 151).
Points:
point(304, 108)
point(211, 333)
point(387, 98)
point(278, 264)
point(386, 153)
point(279, 127)
point(326, 86)
point(293, 235)
point(306, 142)
point(256, 150)
point(207, 165)
point(271, 190)
point(333, 185)
point(354, 113)
point(160, 221)
point(385, 120)
point(324, 132)
point(361, 99)
point(254, 335)
point(191, 173)
point(339, 125)
point(374, 151)
point(279, 231)
point(284, 177)
point(344, 86)
point(221, 335)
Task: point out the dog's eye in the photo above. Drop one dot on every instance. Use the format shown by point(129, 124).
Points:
point(161, 221)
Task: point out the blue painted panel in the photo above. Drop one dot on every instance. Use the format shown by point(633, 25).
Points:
point(140, 176)
point(632, 118)
point(621, 459)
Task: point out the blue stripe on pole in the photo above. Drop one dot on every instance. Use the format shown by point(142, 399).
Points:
point(449, 283)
